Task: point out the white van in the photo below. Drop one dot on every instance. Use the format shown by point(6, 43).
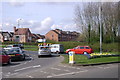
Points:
point(57, 48)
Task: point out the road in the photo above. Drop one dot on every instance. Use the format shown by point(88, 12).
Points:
point(50, 67)
point(30, 64)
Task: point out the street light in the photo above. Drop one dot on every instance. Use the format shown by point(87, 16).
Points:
point(100, 9)
point(18, 22)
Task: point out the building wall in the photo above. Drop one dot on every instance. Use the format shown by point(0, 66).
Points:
point(19, 38)
point(51, 35)
point(61, 36)
point(1, 38)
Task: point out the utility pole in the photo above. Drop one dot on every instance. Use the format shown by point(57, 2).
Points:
point(18, 22)
point(100, 9)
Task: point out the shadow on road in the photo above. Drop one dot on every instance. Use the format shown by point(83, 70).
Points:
point(49, 56)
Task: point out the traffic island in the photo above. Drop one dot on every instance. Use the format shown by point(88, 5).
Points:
point(85, 60)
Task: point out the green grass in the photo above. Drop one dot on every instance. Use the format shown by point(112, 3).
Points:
point(26, 47)
point(82, 59)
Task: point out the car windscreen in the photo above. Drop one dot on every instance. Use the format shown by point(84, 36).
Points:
point(44, 48)
point(87, 48)
point(81, 47)
point(13, 51)
point(15, 45)
point(2, 53)
point(9, 46)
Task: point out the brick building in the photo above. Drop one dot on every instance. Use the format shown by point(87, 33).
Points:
point(36, 37)
point(22, 35)
point(5, 36)
point(59, 35)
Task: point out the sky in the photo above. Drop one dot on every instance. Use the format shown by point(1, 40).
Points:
point(39, 17)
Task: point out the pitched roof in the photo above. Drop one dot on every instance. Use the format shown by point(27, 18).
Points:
point(4, 33)
point(21, 31)
point(55, 31)
point(38, 36)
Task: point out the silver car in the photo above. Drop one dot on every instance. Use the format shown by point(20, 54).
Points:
point(44, 50)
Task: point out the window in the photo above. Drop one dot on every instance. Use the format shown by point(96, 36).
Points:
point(17, 36)
point(52, 35)
point(81, 47)
point(87, 48)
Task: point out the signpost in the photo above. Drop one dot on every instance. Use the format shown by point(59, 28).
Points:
point(71, 57)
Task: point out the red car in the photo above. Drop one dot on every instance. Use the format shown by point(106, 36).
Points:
point(81, 50)
point(4, 58)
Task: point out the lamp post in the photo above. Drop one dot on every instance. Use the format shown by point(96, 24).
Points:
point(100, 9)
point(18, 22)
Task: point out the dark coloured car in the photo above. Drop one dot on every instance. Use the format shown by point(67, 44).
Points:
point(18, 45)
point(16, 54)
point(4, 58)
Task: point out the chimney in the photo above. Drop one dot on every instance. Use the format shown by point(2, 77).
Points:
point(14, 29)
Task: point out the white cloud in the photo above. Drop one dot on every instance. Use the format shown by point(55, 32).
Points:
point(16, 3)
point(44, 26)
point(40, 27)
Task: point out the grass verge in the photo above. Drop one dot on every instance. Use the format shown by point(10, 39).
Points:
point(82, 59)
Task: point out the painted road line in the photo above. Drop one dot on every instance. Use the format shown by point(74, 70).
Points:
point(67, 70)
point(66, 74)
point(56, 69)
point(106, 67)
point(19, 64)
point(23, 68)
point(27, 68)
point(36, 66)
point(69, 67)
point(11, 74)
point(29, 76)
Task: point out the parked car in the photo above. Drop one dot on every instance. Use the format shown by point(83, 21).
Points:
point(4, 58)
point(57, 48)
point(14, 45)
point(16, 53)
point(81, 50)
point(19, 45)
point(44, 50)
point(8, 47)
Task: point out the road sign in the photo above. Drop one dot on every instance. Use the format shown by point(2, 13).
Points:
point(71, 57)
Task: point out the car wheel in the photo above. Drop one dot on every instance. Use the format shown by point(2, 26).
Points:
point(24, 57)
point(9, 62)
point(39, 56)
point(85, 53)
point(57, 52)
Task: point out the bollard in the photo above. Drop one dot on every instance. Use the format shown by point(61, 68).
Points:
point(71, 57)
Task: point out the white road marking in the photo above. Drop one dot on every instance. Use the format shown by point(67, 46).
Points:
point(69, 67)
point(8, 73)
point(56, 68)
point(66, 74)
point(22, 63)
point(106, 67)
point(100, 67)
point(23, 68)
point(67, 70)
point(62, 66)
point(11, 74)
point(27, 68)
point(36, 66)
point(29, 76)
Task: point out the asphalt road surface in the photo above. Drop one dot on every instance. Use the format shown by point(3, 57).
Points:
point(50, 67)
point(30, 64)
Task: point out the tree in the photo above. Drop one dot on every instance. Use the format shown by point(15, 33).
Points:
point(87, 20)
